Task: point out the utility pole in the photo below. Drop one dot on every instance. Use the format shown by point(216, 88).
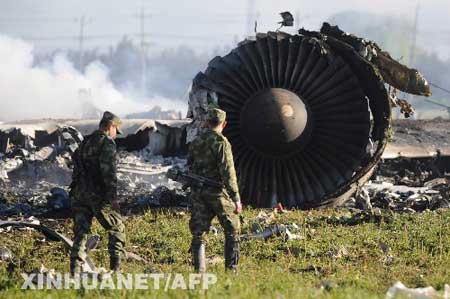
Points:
point(297, 19)
point(143, 46)
point(80, 43)
point(250, 18)
point(412, 54)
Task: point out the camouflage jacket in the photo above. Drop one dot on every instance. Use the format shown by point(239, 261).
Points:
point(210, 156)
point(95, 169)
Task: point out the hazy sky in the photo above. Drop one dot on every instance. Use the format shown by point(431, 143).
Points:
point(201, 24)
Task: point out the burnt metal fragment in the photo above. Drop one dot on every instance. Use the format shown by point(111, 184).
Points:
point(5, 254)
point(92, 242)
point(49, 233)
point(55, 236)
point(288, 19)
point(394, 73)
point(59, 199)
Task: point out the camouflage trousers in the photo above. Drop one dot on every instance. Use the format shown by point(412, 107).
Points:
point(111, 220)
point(205, 206)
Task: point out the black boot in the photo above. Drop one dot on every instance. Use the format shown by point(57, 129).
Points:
point(115, 263)
point(75, 267)
point(198, 257)
point(231, 254)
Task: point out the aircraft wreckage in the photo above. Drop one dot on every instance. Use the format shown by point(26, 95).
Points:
point(308, 114)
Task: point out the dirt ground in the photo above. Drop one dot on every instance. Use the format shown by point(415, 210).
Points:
point(419, 138)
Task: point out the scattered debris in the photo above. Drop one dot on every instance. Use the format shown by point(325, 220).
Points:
point(327, 285)
point(399, 290)
point(50, 273)
point(134, 257)
point(277, 230)
point(266, 218)
point(5, 254)
point(405, 185)
point(49, 233)
point(92, 242)
point(44, 153)
point(355, 217)
point(338, 253)
point(311, 268)
point(36, 181)
point(388, 257)
point(214, 260)
point(88, 266)
point(363, 200)
point(59, 199)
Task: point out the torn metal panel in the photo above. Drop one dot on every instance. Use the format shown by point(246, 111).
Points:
point(44, 153)
point(167, 140)
point(136, 141)
point(164, 137)
point(14, 137)
point(288, 19)
point(393, 72)
point(160, 137)
point(44, 138)
point(4, 143)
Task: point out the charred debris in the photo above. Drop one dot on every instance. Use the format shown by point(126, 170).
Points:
point(309, 118)
point(36, 165)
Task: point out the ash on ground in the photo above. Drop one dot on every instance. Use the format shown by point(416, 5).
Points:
point(34, 181)
point(35, 178)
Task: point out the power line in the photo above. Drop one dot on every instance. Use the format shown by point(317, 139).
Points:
point(107, 36)
point(80, 43)
point(438, 87)
point(142, 19)
point(412, 53)
point(132, 16)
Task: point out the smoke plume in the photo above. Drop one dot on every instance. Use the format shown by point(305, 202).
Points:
point(58, 90)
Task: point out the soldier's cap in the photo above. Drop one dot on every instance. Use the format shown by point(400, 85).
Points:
point(216, 115)
point(109, 117)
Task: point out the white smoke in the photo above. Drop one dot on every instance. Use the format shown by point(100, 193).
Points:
point(58, 90)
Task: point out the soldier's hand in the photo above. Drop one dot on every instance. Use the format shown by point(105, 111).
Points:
point(238, 207)
point(115, 205)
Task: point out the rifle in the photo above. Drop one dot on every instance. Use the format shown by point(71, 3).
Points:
point(177, 174)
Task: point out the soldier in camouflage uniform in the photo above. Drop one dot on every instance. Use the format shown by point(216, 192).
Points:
point(94, 192)
point(210, 156)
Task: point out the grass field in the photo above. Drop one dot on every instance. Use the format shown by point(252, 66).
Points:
point(346, 258)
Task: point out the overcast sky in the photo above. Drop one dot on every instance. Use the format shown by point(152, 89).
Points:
point(201, 24)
